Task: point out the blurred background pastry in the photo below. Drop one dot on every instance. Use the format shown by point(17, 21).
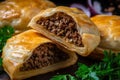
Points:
point(109, 27)
point(18, 13)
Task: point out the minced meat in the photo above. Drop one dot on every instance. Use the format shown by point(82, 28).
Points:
point(44, 55)
point(62, 25)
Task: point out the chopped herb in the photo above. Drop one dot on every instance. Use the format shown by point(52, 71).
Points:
point(107, 69)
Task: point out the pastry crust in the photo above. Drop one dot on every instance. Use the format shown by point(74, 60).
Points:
point(19, 49)
point(18, 13)
point(109, 27)
point(86, 29)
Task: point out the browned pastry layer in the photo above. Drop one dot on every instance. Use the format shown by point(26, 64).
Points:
point(62, 25)
point(109, 27)
point(44, 55)
point(29, 54)
point(69, 27)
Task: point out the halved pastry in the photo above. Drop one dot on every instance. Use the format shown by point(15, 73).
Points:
point(109, 27)
point(69, 27)
point(18, 13)
point(29, 54)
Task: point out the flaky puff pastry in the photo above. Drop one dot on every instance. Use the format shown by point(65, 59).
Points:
point(18, 13)
point(109, 27)
point(82, 26)
point(19, 51)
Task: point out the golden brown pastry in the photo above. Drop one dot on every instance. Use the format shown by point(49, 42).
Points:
point(29, 54)
point(68, 27)
point(18, 13)
point(109, 27)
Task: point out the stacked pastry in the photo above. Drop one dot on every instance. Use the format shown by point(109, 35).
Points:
point(67, 30)
point(59, 33)
point(68, 27)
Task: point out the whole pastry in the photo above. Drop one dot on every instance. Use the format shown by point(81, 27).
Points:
point(28, 54)
point(109, 27)
point(18, 13)
point(69, 27)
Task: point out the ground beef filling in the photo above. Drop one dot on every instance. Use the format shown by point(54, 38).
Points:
point(44, 55)
point(62, 25)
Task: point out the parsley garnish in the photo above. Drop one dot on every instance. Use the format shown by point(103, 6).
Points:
point(0, 61)
point(107, 69)
point(5, 33)
point(64, 77)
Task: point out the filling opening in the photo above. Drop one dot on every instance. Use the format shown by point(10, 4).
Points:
point(44, 55)
point(62, 25)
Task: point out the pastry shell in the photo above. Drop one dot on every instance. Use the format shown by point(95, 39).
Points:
point(88, 31)
point(19, 48)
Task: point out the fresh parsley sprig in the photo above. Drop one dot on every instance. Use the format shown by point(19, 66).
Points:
point(63, 77)
point(5, 33)
point(107, 69)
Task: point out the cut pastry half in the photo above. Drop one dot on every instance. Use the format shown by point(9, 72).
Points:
point(29, 54)
point(68, 27)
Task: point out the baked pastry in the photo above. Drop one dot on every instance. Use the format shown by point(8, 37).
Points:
point(69, 27)
point(18, 13)
point(28, 54)
point(109, 27)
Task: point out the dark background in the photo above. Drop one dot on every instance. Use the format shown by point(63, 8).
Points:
point(68, 2)
point(106, 5)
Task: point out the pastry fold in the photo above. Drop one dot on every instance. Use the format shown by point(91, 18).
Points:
point(28, 54)
point(69, 27)
point(18, 13)
point(109, 27)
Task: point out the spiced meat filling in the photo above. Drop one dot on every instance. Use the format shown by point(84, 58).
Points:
point(44, 55)
point(62, 25)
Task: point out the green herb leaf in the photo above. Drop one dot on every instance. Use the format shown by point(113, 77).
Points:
point(0, 61)
point(84, 72)
point(93, 76)
point(63, 77)
point(5, 33)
